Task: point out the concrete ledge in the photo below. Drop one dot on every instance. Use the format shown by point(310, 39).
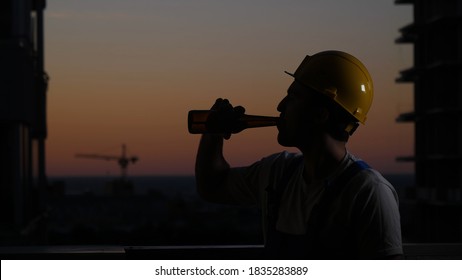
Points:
point(433, 251)
point(413, 251)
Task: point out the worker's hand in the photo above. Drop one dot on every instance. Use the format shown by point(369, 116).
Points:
point(225, 111)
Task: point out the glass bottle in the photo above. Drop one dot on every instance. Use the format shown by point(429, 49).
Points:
point(209, 121)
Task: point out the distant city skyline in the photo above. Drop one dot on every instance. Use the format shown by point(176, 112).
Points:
point(127, 72)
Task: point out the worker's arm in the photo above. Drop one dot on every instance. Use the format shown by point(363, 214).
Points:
point(211, 166)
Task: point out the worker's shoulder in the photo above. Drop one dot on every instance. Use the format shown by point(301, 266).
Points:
point(365, 173)
point(371, 181)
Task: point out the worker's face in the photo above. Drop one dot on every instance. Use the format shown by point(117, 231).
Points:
point(298, 119)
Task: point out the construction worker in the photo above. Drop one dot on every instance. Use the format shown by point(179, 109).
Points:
point(322, 203)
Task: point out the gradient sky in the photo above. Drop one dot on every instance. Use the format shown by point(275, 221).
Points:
point(129, 71)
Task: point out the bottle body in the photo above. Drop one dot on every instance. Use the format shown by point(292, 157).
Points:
point(209, 121)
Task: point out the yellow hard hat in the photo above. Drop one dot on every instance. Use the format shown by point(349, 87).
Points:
point(341, 77)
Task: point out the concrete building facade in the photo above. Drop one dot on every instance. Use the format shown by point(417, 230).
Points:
point(436, 36)
point(23, 86)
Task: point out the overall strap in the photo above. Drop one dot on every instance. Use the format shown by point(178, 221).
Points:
point(321, 210)
point(332, 190)
point(308, 245)
point(346, 175)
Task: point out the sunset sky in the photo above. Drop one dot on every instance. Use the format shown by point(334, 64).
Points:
point(129, 71)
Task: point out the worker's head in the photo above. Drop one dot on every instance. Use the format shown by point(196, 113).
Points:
point(332, 92)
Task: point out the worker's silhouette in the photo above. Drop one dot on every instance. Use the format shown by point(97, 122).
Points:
point(323, 203)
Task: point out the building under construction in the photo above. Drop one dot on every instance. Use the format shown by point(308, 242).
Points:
point(436, 36)
point(23, 86)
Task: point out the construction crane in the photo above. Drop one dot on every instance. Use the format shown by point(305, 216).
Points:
point(122, 160)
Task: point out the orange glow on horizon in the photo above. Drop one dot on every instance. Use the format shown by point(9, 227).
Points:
point(130, 73)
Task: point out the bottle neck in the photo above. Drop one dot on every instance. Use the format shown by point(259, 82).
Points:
point(252, 121)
